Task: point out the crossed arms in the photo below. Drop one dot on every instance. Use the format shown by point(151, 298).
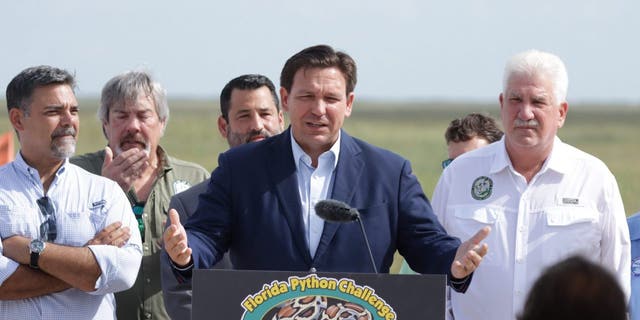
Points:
point(61, 267)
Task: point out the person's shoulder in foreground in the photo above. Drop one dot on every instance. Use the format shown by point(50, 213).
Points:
point(634, 234)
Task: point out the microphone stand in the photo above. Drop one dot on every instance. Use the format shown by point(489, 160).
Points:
point(366, 241)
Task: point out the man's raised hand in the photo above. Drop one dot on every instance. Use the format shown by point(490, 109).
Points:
point(175, 241)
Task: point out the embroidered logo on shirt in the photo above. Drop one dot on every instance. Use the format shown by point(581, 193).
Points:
point(98, 204)
point(635, 267)
point(180, 185)
point(570, 201)
point(481, 188)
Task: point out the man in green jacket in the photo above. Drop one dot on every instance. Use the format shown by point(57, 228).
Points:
point(134, 113)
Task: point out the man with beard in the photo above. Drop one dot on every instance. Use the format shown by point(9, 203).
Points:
point(54, 262)
point(134, 113)
point(249, 111)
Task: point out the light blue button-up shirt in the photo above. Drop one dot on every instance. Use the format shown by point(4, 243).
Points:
point(314, 184)
point(84, 204)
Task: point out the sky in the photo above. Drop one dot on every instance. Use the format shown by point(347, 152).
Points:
point(406, 50)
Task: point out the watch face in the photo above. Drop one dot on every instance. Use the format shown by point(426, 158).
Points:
point(36, 246)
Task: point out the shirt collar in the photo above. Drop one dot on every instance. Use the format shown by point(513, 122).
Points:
point(22, 166)
point(299, 154)
point(556, 160)
point(502, 160)
point(163, 159)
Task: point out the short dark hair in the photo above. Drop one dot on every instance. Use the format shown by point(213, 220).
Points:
point(575, 288)
point(245, 82)
point(473, 125)
point(320, 56)
point(21, 87)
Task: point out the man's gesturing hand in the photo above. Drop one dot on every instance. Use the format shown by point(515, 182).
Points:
point(175, 241)
point(469, 254)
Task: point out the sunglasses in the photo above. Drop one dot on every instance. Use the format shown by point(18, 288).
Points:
point(447, 162)
point(48, 231)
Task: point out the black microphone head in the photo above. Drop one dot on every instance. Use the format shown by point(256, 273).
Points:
point(336, 211)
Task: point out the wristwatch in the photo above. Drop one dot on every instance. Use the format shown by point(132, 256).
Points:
point(36, 247)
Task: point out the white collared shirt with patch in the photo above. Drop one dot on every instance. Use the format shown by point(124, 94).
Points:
point(571, 206)
point(314, 184)
point(84, 204)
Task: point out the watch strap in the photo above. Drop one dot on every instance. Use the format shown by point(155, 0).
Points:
point(33, 263)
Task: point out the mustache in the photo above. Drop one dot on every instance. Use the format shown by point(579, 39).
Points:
point(533, 123)
point(255, 133)
point(65, 131)
point(132, 137)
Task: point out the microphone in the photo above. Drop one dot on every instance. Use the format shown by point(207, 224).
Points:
point(337, 211)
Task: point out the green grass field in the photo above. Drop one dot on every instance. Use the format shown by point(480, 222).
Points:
point(414, 131)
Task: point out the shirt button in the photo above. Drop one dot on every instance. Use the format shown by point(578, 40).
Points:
point(148, 280)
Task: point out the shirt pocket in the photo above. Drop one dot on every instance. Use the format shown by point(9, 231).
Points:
point(78, 227)
point(19, 220)
point(468, 220)
point(571, 230)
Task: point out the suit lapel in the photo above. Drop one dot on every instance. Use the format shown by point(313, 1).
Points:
point(347, 176)
point(282, 172)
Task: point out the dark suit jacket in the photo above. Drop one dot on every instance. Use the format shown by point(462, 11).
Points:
point(252, 208)
point(177, 295)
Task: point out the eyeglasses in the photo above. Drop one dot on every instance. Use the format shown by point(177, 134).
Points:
point(48, 230)
point(447, 162)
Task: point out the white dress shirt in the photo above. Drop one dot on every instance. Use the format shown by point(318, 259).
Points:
point(571, 206)
point(84, 204)
point(314, 185)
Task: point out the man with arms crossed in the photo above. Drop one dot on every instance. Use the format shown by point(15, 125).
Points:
point(249, 111)
point(544, 200)
point(51, 212)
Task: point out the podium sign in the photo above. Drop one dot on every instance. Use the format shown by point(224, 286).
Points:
point(274, 295)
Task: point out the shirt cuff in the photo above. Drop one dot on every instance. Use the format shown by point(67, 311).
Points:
point(182, 273)
point(460, 285)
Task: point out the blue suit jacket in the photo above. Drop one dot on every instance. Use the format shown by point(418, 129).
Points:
point(177, 295)
point(252, 208)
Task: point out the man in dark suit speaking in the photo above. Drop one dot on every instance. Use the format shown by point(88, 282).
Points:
point(260, 202)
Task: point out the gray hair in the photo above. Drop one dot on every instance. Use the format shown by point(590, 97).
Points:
point(535, 62)
point(21, 87)
point(129, 86)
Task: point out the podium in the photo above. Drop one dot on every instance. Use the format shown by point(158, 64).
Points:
point(274, 295)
